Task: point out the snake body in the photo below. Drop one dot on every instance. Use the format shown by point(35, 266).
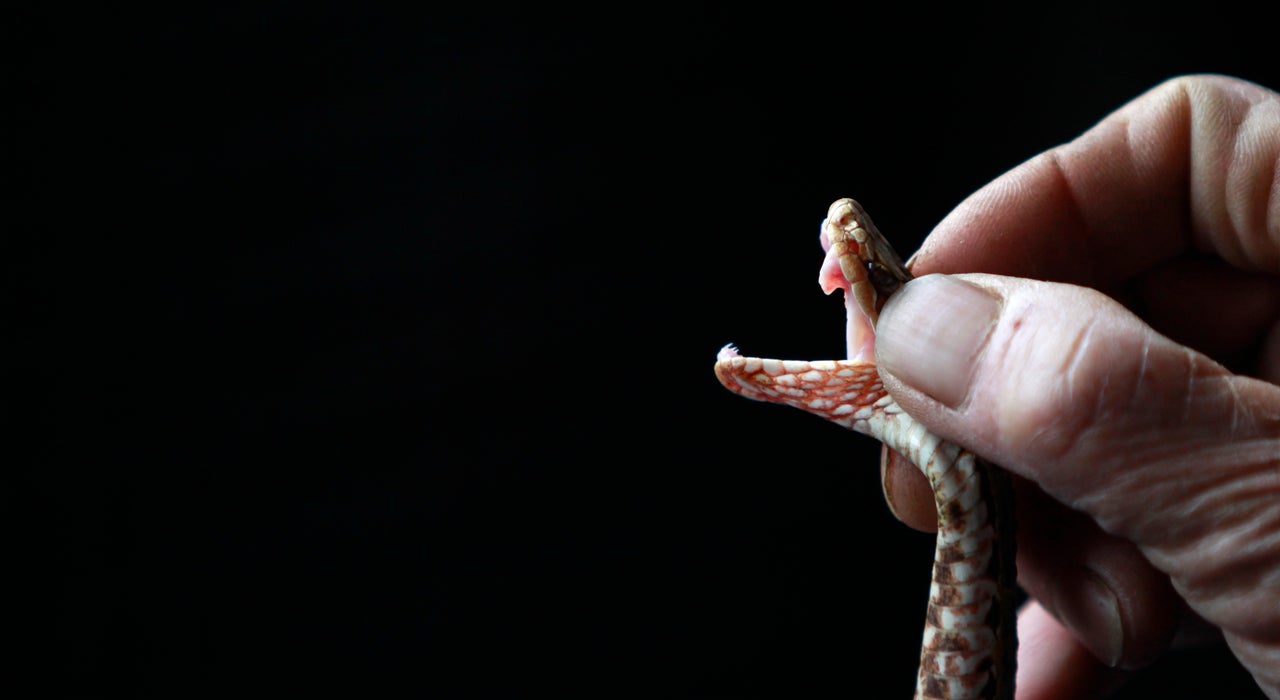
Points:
point(969, 645)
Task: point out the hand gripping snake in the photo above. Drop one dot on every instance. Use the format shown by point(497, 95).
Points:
point(969, 646)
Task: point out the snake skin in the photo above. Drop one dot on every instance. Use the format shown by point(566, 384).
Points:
point(969, 645)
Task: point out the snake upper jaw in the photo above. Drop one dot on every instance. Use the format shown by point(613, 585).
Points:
point(862, 263)
point(860, 333)
point(842, 270)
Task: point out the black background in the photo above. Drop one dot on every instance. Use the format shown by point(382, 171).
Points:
point(372, 350)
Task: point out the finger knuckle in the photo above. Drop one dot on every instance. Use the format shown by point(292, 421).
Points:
point(1067, 375)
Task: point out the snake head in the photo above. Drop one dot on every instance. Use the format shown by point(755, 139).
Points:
point(862, 263)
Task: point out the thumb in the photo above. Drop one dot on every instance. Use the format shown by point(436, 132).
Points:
point(1156, 443)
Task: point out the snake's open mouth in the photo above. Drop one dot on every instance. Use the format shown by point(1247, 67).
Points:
point(860, 334)
point(864, 266)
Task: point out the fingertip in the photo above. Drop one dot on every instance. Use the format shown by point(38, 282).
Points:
point(907, 492)
point(1116, 604)
point(930, 334)
point(1052, 665)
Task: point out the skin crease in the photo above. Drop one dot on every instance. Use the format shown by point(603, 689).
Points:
point(1133, 392)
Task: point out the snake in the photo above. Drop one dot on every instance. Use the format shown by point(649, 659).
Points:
point(969, 646)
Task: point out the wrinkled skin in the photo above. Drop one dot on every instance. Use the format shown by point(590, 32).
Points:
point(1149, 500)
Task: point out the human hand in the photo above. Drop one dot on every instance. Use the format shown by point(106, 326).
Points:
point(1139, 400)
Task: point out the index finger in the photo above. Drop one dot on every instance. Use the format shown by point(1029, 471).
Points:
point(1190, 165)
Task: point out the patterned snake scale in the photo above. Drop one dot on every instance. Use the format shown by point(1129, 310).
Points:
point(969, 645)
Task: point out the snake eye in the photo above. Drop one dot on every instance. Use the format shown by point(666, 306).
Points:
point(883, 281)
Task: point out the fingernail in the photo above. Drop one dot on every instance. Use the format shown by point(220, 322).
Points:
point(930, 333)
point(1094, 615)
